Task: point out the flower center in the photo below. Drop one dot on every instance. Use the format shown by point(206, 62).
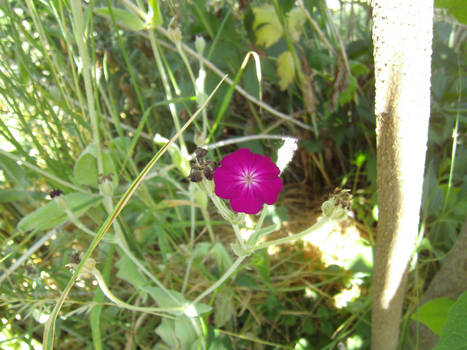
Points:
point(248, 179)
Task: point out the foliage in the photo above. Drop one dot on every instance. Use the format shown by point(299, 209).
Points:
point(434, 313)
point(453, 333)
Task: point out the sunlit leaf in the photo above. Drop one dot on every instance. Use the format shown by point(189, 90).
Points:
point(454, 335)
point(127, 18)
point(12, 171)
point(270, 29)
point(156, 19)
point(456, 8)
point(8, 196)
point(295, 20)
point(51, 215)
point(176, 300)
point(285, 69)
point(434, 313)
point(128, 271)
point(85, 169)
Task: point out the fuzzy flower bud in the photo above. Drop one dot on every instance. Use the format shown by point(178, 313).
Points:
point(106, 187)
point(174, 33)
point(200, 44)
point(337, 206)
point(88, 268)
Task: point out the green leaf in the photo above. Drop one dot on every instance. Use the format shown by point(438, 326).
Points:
point(164, 300)
point(166, 330)
point(185, 333)
point(50, 215)
point(222, 257)
point(85, 170)
point(456, 8)
point(346, 95)
point(129, 19)
point(225, 309)
point(454, 335)
point(270, 29)
point(358, 69)
point(175, 300)
point(434, 313)
point(128, 271)
point(156, 19)
point(285, 69)
point(8, 196)
point(178, 334)
point(295, 20)
point(12, 171)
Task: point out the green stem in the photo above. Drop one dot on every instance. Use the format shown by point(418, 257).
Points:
point(79, 31)
point(455, 135)
point(324, 220)
point(221, 280)
point(122, 304)
point(165, 84)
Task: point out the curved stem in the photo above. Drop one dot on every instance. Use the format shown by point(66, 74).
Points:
point(122, 304)
point(324, 220)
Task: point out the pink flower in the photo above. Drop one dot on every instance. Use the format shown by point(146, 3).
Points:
point(249, 180)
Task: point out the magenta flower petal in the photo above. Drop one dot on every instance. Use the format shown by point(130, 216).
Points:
point(269, 190)
point(265, 166)
point(252, 205)
point(249, 180)
point(239, 160)
point(225, 182)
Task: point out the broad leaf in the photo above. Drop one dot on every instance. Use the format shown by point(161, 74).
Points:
point(12, 171)
point(434, 313)
point(295, 20)
point(285, 69)
point(222, 257)
point(156, 19)
point(176, 300)
point(454, 332)
point(456, 8)
point(129, 19)
point(51, 215)
point(8, 196)
point(128, 271)
point(270, 29)
point(85, 169)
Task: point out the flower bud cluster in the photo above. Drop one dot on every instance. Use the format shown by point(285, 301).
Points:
point(338, 205)
point(202, 167)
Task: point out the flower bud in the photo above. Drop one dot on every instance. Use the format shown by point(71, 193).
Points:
point(174, 33)
point(336, 207)
point(195, 174)
point(55, 193)
point(208, 173)
point(200, 44)
point(200, 153)
point(88, 267)
point(200, 138)
point(106, 187)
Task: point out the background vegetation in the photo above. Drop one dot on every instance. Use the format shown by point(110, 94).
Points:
point(89, 93)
